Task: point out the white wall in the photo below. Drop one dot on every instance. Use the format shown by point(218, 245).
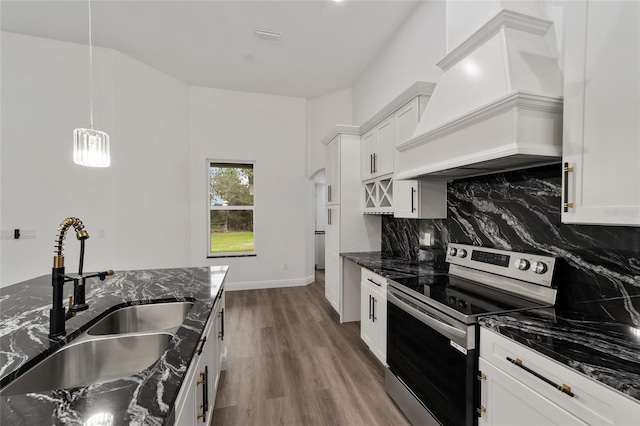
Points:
point(270, 130)
point(323, 113)
point(410, 56)
point(141, 201)
point(151, 167)
point(464, 17)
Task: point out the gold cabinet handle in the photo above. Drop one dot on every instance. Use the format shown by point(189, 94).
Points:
point(566, 205)
point(202, 342)
point(564, 388)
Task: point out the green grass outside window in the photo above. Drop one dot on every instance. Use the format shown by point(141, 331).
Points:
point(231, 242)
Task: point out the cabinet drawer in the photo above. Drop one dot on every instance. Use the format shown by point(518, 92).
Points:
point(374, 280)
point(592, 402)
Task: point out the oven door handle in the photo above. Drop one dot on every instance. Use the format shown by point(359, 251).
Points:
point(457, 335)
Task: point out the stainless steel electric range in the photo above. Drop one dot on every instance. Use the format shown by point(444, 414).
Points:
point(432, 332)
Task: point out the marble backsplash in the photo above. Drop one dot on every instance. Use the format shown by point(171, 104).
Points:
point(521, 211)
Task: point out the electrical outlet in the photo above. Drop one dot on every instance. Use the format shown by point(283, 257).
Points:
point(28, 233)
point(10, 234)
point(426, 239)
point(100, 232)
point(286, 266)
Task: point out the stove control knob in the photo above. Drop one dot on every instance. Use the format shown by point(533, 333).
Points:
point(462, 304)
point(539, 267)
point(462, 253)
point(522, 264)
point(453, 251)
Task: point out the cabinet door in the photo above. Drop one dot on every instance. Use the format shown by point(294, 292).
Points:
point(217, 346)
point(206, 374)
point(406, 121)
point(194, 404)
point(332, 257)
point(601, 113)
point(380, 323)
point(506, 401)
point(186, 402)
point(368, 148)
point(367, 328)
point(420, 199)
point(333, 171)
point(383, 157)
point(406, 198)
point(332, 280)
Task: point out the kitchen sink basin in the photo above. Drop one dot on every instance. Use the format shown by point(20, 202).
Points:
point(92, 360)
point(143, 318)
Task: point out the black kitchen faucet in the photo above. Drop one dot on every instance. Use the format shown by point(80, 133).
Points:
point(58, 314)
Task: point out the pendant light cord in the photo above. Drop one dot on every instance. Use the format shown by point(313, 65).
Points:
point(90, 68)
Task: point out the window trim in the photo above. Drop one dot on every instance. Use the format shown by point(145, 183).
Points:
point(211, 255)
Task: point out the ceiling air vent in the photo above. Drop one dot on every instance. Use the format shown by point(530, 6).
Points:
point(273, 37)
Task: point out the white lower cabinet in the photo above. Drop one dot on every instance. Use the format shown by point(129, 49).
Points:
point(519, 386)
point(332, 257)
point(197, 396)
point(373, 313)
point(509, 402)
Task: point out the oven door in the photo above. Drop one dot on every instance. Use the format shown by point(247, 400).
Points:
point(434, 357)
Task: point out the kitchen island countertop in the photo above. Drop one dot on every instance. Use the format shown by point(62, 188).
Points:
point(600, 348)
point(144, 398)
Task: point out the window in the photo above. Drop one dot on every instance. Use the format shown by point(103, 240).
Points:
point(230, 217)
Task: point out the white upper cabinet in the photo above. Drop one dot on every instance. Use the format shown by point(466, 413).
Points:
point(332, 171)
point(377, 150)
point(406, 120)
point(392, 126)
point(601, 145)
point(420, 199)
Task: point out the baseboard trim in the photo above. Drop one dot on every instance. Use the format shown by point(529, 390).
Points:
point(257, 285)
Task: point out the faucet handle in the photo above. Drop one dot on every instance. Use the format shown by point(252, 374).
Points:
point(103, 275)
point(72, 311)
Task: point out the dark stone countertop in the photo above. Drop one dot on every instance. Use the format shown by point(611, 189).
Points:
point(144, 398)
point(395, 268)
point(601, 348)
point(608, 352)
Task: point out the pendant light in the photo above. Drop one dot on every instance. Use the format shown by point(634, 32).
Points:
point(91, 146)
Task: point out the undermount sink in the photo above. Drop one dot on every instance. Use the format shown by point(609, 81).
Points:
point(95, 360)
point(142, 318)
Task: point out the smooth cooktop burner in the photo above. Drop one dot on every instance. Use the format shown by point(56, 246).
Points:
point(460, 298)
point(483, 281)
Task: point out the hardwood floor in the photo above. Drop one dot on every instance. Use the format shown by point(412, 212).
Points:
point(291, 362)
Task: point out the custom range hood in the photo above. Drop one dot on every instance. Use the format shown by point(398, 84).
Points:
point(496, 107)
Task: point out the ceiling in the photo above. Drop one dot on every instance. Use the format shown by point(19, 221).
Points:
point(325, 45)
